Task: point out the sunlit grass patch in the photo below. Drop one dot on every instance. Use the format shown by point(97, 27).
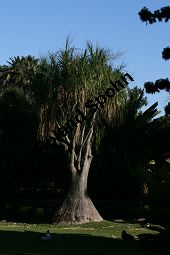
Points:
point(23, 239)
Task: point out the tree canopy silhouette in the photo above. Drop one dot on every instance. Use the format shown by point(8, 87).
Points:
point(160, 15)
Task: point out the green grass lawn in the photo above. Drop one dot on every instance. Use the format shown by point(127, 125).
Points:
point(24, 239)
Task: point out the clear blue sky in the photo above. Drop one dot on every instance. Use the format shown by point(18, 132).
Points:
point(38, 26)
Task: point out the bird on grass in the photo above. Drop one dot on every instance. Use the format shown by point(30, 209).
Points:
point(126, 236)
point(46, 237)
point(152, 227)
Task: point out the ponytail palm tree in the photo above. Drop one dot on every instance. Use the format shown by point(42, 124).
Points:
point(86, 76)
point(60, 86)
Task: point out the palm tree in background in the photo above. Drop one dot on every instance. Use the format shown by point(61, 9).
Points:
point(19, 73)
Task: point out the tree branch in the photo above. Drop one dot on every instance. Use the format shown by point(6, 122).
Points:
point(72, 146)
point(81, 147)
point(87, 141)
point(93, 119)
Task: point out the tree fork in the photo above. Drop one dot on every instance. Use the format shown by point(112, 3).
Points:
point(78, 207)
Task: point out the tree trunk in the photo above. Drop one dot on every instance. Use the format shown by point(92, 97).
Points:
point(78, 207)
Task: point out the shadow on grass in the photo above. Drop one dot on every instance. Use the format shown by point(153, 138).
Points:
point(29, 243)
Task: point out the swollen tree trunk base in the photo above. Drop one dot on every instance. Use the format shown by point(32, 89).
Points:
point(77, 210)
point(78, 207)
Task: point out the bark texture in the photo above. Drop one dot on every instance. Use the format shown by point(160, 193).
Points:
point(78, 207)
